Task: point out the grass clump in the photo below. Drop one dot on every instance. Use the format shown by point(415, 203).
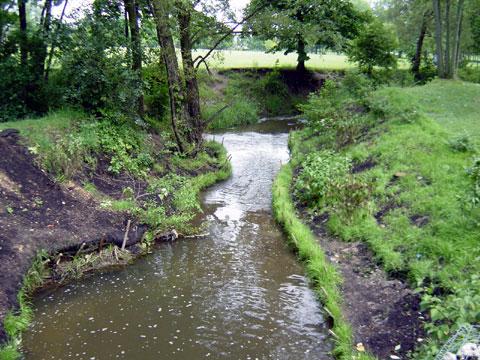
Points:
point(325, 278)
point(420, 155)
point(16, 322)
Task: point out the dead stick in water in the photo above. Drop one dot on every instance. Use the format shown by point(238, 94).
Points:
point(125, 237)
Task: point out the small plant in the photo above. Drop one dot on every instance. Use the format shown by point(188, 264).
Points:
point(462, 142)
point(474, 173)
point(321, 175)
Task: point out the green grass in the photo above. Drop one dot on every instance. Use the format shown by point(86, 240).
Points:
point(413, 138)
point(325, 278)
point(17, 322)
point(454, 104)
point(237, 59)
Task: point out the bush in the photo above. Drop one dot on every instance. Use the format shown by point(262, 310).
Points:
point(462, 142)
point(469, 74)
point(374, 46)
point(321, 175)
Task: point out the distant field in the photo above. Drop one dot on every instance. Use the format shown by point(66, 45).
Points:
point(226, 59)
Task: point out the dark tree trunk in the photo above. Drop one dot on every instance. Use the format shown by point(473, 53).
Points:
point(54, 42)
point(417, 58)
point(39, 57)
point(448, 52)
point(175, 86)
point(131, 9)
point(197, 125)
point(458, 32)
point(302, 55)
point(438, 38)
point(22, 15)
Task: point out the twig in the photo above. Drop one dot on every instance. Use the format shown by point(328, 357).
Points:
point(125, 237)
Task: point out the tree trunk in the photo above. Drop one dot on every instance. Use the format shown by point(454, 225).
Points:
point(54, 42)
point(302, 55)
point(39, 57)
point(175, 87)
point(438, 38)
point(458, 32)
point(131, 9)
point(22, 15)
point(197, 125)
point(417, 58)
point(448, 52)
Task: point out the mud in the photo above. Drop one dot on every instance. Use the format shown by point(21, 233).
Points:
point(384, 313)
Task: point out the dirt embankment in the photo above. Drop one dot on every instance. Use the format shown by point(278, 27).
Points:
point(36, 213)
point(384, 313)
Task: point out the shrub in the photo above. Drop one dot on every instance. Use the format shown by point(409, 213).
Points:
point(322, 173)
point(469, 74)
point(374, 46)
point(462, 142)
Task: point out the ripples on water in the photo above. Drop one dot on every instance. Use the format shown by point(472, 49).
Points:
point(237, 294)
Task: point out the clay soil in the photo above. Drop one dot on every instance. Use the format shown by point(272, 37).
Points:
point(37, 213)
point(384, 313)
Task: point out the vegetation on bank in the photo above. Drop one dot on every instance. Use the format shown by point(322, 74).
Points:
point(158, 186)
point(397, 168)
point(325, 278)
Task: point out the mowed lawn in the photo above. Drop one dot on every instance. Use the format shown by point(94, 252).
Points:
point(228, 59)
point(453, 104)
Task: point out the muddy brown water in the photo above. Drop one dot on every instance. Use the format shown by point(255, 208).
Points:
point(238, 293)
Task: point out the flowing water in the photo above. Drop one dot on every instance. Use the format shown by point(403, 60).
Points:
point(237, 294)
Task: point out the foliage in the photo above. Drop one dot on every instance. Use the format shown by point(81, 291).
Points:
point(295, 25)
point(373, 46)
point(471, 74)
point(449, 313)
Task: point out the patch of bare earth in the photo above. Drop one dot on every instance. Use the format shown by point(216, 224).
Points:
point(384, 313)
point(36, 213)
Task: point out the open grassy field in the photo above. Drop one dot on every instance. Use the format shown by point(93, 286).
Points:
point(228, 59)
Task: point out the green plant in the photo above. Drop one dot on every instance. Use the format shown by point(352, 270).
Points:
point(321, 175)
point(450, 312)
point(474, 173)
point(462, 142)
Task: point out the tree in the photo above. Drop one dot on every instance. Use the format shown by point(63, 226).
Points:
point(374, 46)
point(131, 9)
point(298, 24)
point(448, 30)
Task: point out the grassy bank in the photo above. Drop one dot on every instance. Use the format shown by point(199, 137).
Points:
point(142, 176)
point(241, 97)
point(325, 279)
point(394, 168)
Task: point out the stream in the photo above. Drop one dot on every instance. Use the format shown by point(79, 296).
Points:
point(238, 293)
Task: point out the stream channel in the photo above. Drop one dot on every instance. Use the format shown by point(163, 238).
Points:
point(238, 293)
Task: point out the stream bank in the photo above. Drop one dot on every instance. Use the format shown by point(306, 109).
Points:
point(237, 292)
point(65, 222)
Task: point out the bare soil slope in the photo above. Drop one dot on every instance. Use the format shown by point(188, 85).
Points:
point(36, 213)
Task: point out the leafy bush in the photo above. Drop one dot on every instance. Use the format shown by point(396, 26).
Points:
point(320, 177)
point(389, 103)
point(374, 46)
point(469, 74)
point(156, 91)
point(448, 313)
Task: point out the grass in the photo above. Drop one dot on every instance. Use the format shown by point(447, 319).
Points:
point(325, 278)
point(418, 174)
point(17, 322)
point(454, 104)
point(238, 59)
